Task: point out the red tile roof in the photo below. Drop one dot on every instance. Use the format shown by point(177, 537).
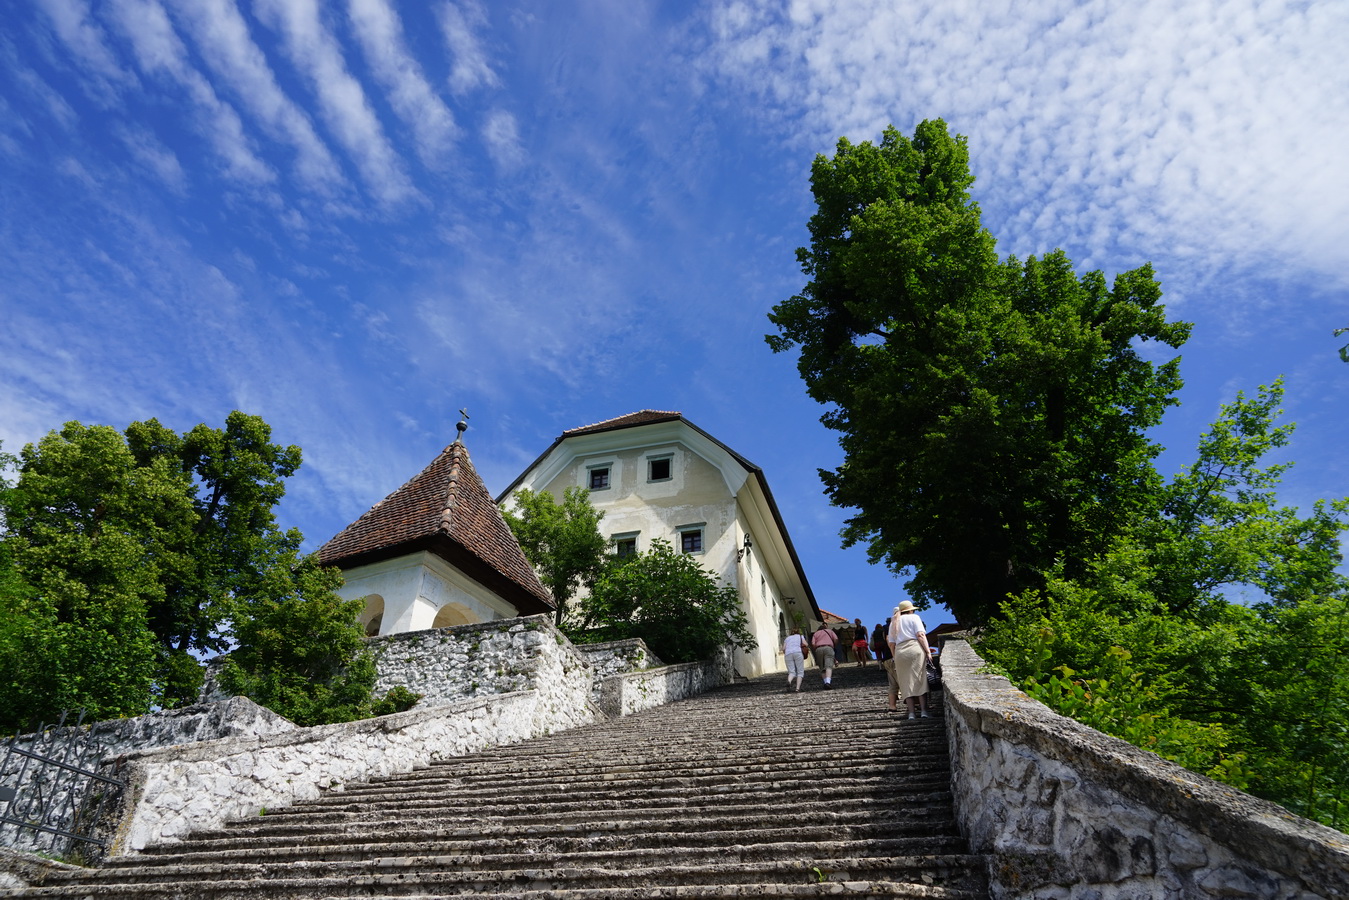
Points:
point(447, 510)
point(643, 417)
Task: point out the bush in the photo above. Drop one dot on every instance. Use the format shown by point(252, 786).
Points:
point(669, 601)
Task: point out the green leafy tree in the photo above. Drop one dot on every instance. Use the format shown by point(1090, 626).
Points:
point(1344, 351)
point(90, 534)
point(237, 476)
point(991, 412)
point(300, 651)
point(667, 599)
point(562, 541)
point(1147, 645)
point(127, 555)
point(1220, 524)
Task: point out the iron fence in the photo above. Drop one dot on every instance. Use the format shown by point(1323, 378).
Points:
point(51, 797)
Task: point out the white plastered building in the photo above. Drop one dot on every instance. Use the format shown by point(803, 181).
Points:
point(655, 475)
point(434, 553)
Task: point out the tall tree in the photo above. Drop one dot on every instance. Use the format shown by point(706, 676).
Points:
point(237, 476)
point(992, 412)
point(562, 541)
point(90, 537)
point(132, 553)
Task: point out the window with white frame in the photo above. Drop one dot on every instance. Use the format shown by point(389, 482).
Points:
point(597, 477)
point(659, 468)
point(691, 538)
point(625, 544)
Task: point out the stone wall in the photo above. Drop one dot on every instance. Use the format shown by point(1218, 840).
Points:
point(446, 665)
point(485, 685)
point(176, 791)
point(615, 657)
point(87, 745)
point(1068, 813)
point(626, 693)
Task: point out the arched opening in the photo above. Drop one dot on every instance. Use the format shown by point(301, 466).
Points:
point(372, 617)
point(453, 614)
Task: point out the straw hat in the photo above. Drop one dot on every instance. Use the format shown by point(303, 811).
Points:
point(905, 607)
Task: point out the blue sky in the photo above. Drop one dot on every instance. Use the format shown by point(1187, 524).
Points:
point(355, 217)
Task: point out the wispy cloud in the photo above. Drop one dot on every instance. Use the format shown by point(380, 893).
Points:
point(377, 27)
point(459, 23)
point(32, 84)
point(158, 160)
point(159, 50)
point(317, 54)
point(222, 36)
point(502, 136)
point(104, 77)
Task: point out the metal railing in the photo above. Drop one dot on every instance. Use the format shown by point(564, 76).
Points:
point(50, 796)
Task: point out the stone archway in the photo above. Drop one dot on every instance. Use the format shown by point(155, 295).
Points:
point(372, 618)
point(453, 614)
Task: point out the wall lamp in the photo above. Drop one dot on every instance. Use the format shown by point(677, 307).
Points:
point(749, 545)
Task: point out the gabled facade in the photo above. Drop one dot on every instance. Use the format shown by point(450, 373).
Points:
point(655, 474)
point(435, 553)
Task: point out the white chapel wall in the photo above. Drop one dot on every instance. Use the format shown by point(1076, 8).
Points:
point(412, 591)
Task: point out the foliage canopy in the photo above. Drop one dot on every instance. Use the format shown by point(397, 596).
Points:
point(1148, 646)
point(667, 599)
point(562, 541)
point(991, 412)
point(125, 556)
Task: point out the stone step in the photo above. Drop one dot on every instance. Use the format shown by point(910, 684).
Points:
point(627, 792)
point(904, 842)
point(603, 778)
point(427, 875)
point(743, 792)
point(767, 825)
point(222, 868)
point(848, 890)
point(709, 806)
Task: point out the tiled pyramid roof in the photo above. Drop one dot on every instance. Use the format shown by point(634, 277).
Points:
point(643, 417)
point(445, 509)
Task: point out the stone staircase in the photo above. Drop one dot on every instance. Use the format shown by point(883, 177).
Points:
point(747, 791)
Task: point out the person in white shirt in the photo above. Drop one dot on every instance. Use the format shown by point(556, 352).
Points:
point(908, 668)
point(794, 648)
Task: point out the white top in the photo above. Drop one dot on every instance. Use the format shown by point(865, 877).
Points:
point(795, 643)
point(905, 627)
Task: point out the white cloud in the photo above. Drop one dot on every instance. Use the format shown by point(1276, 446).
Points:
point(222, 36)
point(73, 22)
point(316, 53)
point(36, 87)
point(1207, 130)
point(470, 68)
point(502, 136)
point(158, 49)
point(377, 27)
point(158, 160)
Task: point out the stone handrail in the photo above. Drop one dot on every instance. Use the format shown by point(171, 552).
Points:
point(1066, 811)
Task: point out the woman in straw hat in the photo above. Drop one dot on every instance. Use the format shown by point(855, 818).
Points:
point(908, 667)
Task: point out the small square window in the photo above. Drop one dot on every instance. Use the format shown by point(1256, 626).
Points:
point(658, 469)
point(599, 478)
point(691, 541)
point(625, 547)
